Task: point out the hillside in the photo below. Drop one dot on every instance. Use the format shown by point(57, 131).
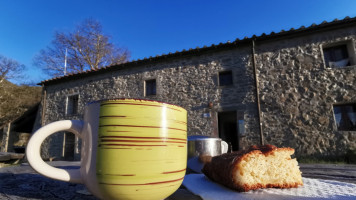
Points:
point(15, 100)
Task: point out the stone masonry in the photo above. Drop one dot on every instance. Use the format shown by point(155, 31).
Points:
point(298, 93)
point(296, 90)
point(189, 82)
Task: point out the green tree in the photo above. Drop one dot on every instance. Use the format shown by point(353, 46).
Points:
point(86, 48)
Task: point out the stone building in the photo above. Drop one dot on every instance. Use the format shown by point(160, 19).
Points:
point(14, 135)
point(293, 88)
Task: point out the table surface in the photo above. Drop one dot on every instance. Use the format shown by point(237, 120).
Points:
point(22, 182)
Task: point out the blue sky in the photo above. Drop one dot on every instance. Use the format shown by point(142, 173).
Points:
point(150, 28)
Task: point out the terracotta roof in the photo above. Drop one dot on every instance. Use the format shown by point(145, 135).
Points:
point(283, 33)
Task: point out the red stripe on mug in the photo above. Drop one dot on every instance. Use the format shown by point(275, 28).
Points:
point(132, 137)
point(137, 104)
point(114, 148)
point(121, 116)
point(111, 131)
point(105, 140)
point(172, 172)
point(133, 145)
point(135, 126)
point(153, 183)
point(180, 122)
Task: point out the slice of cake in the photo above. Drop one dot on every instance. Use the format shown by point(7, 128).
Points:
point(258, 167)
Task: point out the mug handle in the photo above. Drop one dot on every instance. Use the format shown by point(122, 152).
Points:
point(224, 147)
point(34, 148)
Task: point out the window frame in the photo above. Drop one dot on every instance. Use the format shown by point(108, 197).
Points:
point(145, 87)
point(350, 48)
point(68, 100)
point(353, 104)
point(225, 72)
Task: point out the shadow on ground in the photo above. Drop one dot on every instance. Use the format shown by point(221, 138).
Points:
point(35, 186)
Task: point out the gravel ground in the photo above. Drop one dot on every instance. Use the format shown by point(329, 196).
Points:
point(22, 182)
point(338, 172)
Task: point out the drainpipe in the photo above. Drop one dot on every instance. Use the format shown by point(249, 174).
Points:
point(43, 105)
point(257, 91)
point(7, 137)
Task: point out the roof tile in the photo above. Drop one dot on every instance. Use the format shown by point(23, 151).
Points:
point(212, 46)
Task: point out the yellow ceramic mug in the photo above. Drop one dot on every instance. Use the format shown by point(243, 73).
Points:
point(132, 149)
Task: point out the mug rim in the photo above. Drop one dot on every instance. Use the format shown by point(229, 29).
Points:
point(211, 138)
point(136, 99)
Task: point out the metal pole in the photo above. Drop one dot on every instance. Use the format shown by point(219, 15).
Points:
point(65, 63)
point(7, 138)
point(44, 99)
point(257, 92)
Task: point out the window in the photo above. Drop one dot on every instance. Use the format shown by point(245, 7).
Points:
point(72, 105)
point(338, 56)
point(345, 117)
point(225, 78)
point(150, 87)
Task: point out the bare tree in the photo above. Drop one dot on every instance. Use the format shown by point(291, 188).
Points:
point(10, 69)
point(85, 48)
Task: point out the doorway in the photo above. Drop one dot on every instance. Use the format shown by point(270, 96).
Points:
point(69, 146)
point(227, 122)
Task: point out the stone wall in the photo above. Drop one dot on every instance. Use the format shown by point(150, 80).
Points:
point(297, 92)
point(190, 82)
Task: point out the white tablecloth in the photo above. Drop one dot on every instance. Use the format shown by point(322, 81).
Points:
point(314, 189)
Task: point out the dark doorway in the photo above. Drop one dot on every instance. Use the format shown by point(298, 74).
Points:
point(228, 129)
point(69, 146)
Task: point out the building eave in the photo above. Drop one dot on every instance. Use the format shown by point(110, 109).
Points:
point(314, 28)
